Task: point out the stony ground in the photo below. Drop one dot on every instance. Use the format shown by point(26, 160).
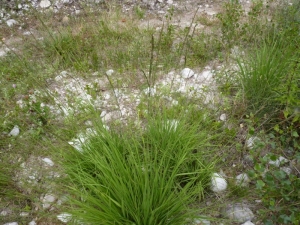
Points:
point(123, 101)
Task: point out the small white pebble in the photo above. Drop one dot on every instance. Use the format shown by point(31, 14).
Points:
point(223, 117)
point(109, 72)
point(48, 161)
point(11, 22)
point(64, 217)
point(12, 223)
point(15, 131)
point(32, 223)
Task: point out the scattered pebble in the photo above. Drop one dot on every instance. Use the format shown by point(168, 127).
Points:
point(11, 22)
point(250, 143)
point(45, 4)
point(48, 161)
point(109, 72)
point(48, 200)
point(15, 131)
point(239, 213)
point(187, 73)
point(64, 217)
point(223, 117)
point(277, 162)
point(218, 183)
point(12, 223)
point(32, 223)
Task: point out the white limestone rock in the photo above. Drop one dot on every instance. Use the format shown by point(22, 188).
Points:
point(109, 72)
point(223, 117)
point(11, 22)
point(240, 213)
point(64, 217)
point(32, 223)
point(187, 73)
point(48, 161)
point(218, 183)
point(45, 4)
point(279, 161)
point(15, 131)
point(48, 200)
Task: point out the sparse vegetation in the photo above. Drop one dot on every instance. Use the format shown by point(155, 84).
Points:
point(154, 165)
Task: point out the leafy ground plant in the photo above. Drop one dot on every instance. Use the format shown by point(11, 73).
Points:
point(147, 177)
point(277, 186)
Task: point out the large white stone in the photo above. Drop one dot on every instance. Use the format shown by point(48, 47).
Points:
point(218, 183)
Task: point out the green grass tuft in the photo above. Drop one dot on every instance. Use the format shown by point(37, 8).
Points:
point(144, 178)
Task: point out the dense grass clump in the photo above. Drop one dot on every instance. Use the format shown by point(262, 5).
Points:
point(148, 177)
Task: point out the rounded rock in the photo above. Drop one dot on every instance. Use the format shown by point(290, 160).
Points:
point(15, 131)
point(187, 73)
point(45, 4)
point(239, 213)
point(64, 217)
point(218, 183)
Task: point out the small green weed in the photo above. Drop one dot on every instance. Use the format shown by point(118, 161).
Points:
point(230, 22)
